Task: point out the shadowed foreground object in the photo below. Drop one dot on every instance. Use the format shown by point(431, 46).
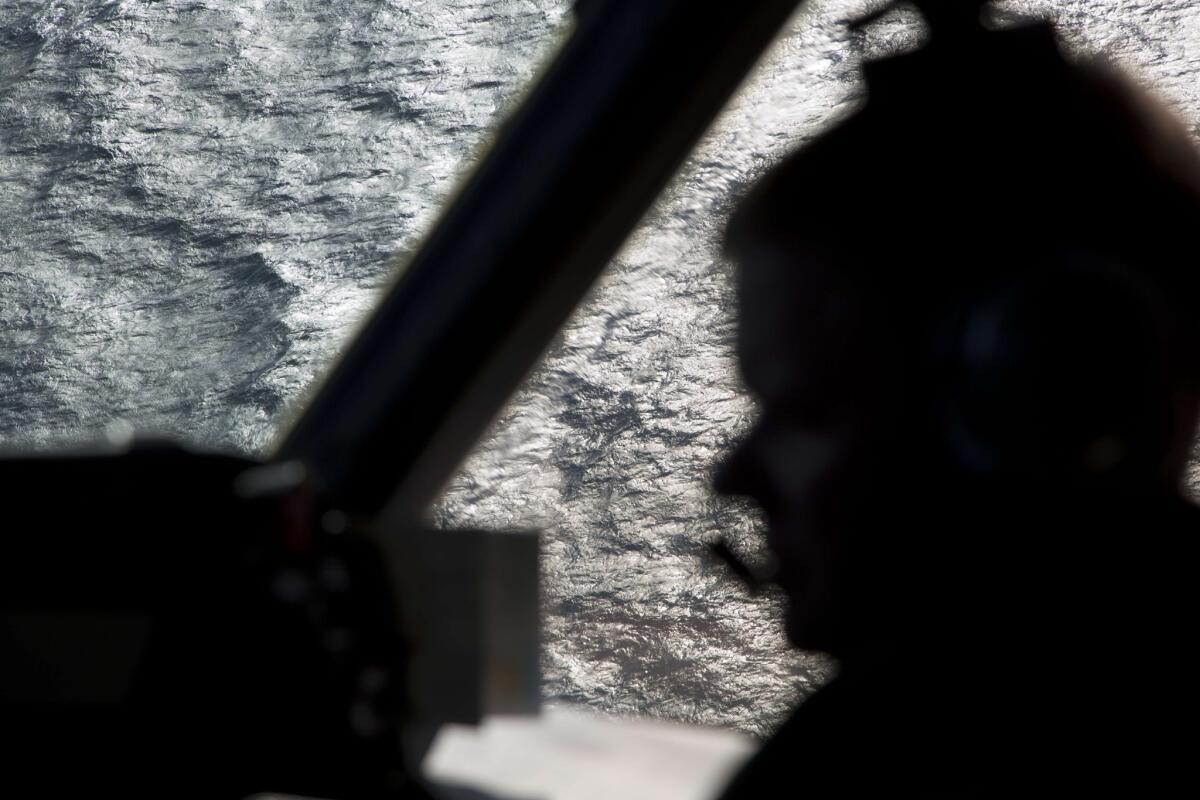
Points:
point(182, 626)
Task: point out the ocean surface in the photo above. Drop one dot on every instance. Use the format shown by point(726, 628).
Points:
point(201, 199)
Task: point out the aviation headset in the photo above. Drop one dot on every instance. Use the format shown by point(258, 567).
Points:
point(1056, 363)
point(1060, 375)
point(1063, 368)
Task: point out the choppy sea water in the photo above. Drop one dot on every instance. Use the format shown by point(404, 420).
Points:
point(201, 198)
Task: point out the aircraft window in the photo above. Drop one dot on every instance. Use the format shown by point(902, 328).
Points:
point(201, 199)
point(608, 446)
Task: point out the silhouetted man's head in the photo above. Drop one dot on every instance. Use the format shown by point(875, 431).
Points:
point(973, 292)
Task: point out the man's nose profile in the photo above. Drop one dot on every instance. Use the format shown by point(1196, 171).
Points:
point(734, 473)
point(983, 499)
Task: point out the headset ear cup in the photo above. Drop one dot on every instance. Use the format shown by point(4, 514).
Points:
point(1059, 375)
point(961, 334)
point(990, 417)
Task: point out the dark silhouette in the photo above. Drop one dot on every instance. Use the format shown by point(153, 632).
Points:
point(968, 314)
